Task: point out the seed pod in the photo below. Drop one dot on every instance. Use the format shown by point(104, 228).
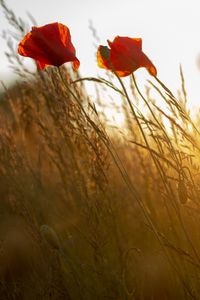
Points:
point(50, 236)
point(182, 191)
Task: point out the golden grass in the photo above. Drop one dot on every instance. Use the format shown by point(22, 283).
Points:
point(91, 214)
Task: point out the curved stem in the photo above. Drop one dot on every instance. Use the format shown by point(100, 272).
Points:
point(160, 169)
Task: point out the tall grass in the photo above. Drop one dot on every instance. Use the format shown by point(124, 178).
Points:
point(91, 213)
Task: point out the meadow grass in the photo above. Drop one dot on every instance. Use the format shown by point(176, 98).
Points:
point(89, 212)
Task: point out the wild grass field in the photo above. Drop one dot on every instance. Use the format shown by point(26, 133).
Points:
point(87, 211)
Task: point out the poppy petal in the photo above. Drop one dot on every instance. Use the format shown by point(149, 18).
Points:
point(152, 70)
point(49, 45)
point(55, 39)
point(123, 73)
point(66, 37)
point(41, 65)
point(76, 64)
point(54, 34)
point(146, 63)
point(28, 47)
point(121, 61)
point(127, 42)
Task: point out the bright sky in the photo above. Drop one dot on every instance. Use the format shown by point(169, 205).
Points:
point(170, 31)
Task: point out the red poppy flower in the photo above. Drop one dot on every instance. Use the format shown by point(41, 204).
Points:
point(49, 45)
point(124, 56)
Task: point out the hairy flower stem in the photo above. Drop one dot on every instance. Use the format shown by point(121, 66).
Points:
point(125, 175)
point(141, 203)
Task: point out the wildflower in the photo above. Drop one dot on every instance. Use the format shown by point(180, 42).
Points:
point(49, 45)
point(124, 56)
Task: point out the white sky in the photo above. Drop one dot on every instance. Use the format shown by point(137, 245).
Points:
point(170, 31)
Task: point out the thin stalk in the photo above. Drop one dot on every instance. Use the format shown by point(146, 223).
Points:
point(164, 179)
point(125, 176)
